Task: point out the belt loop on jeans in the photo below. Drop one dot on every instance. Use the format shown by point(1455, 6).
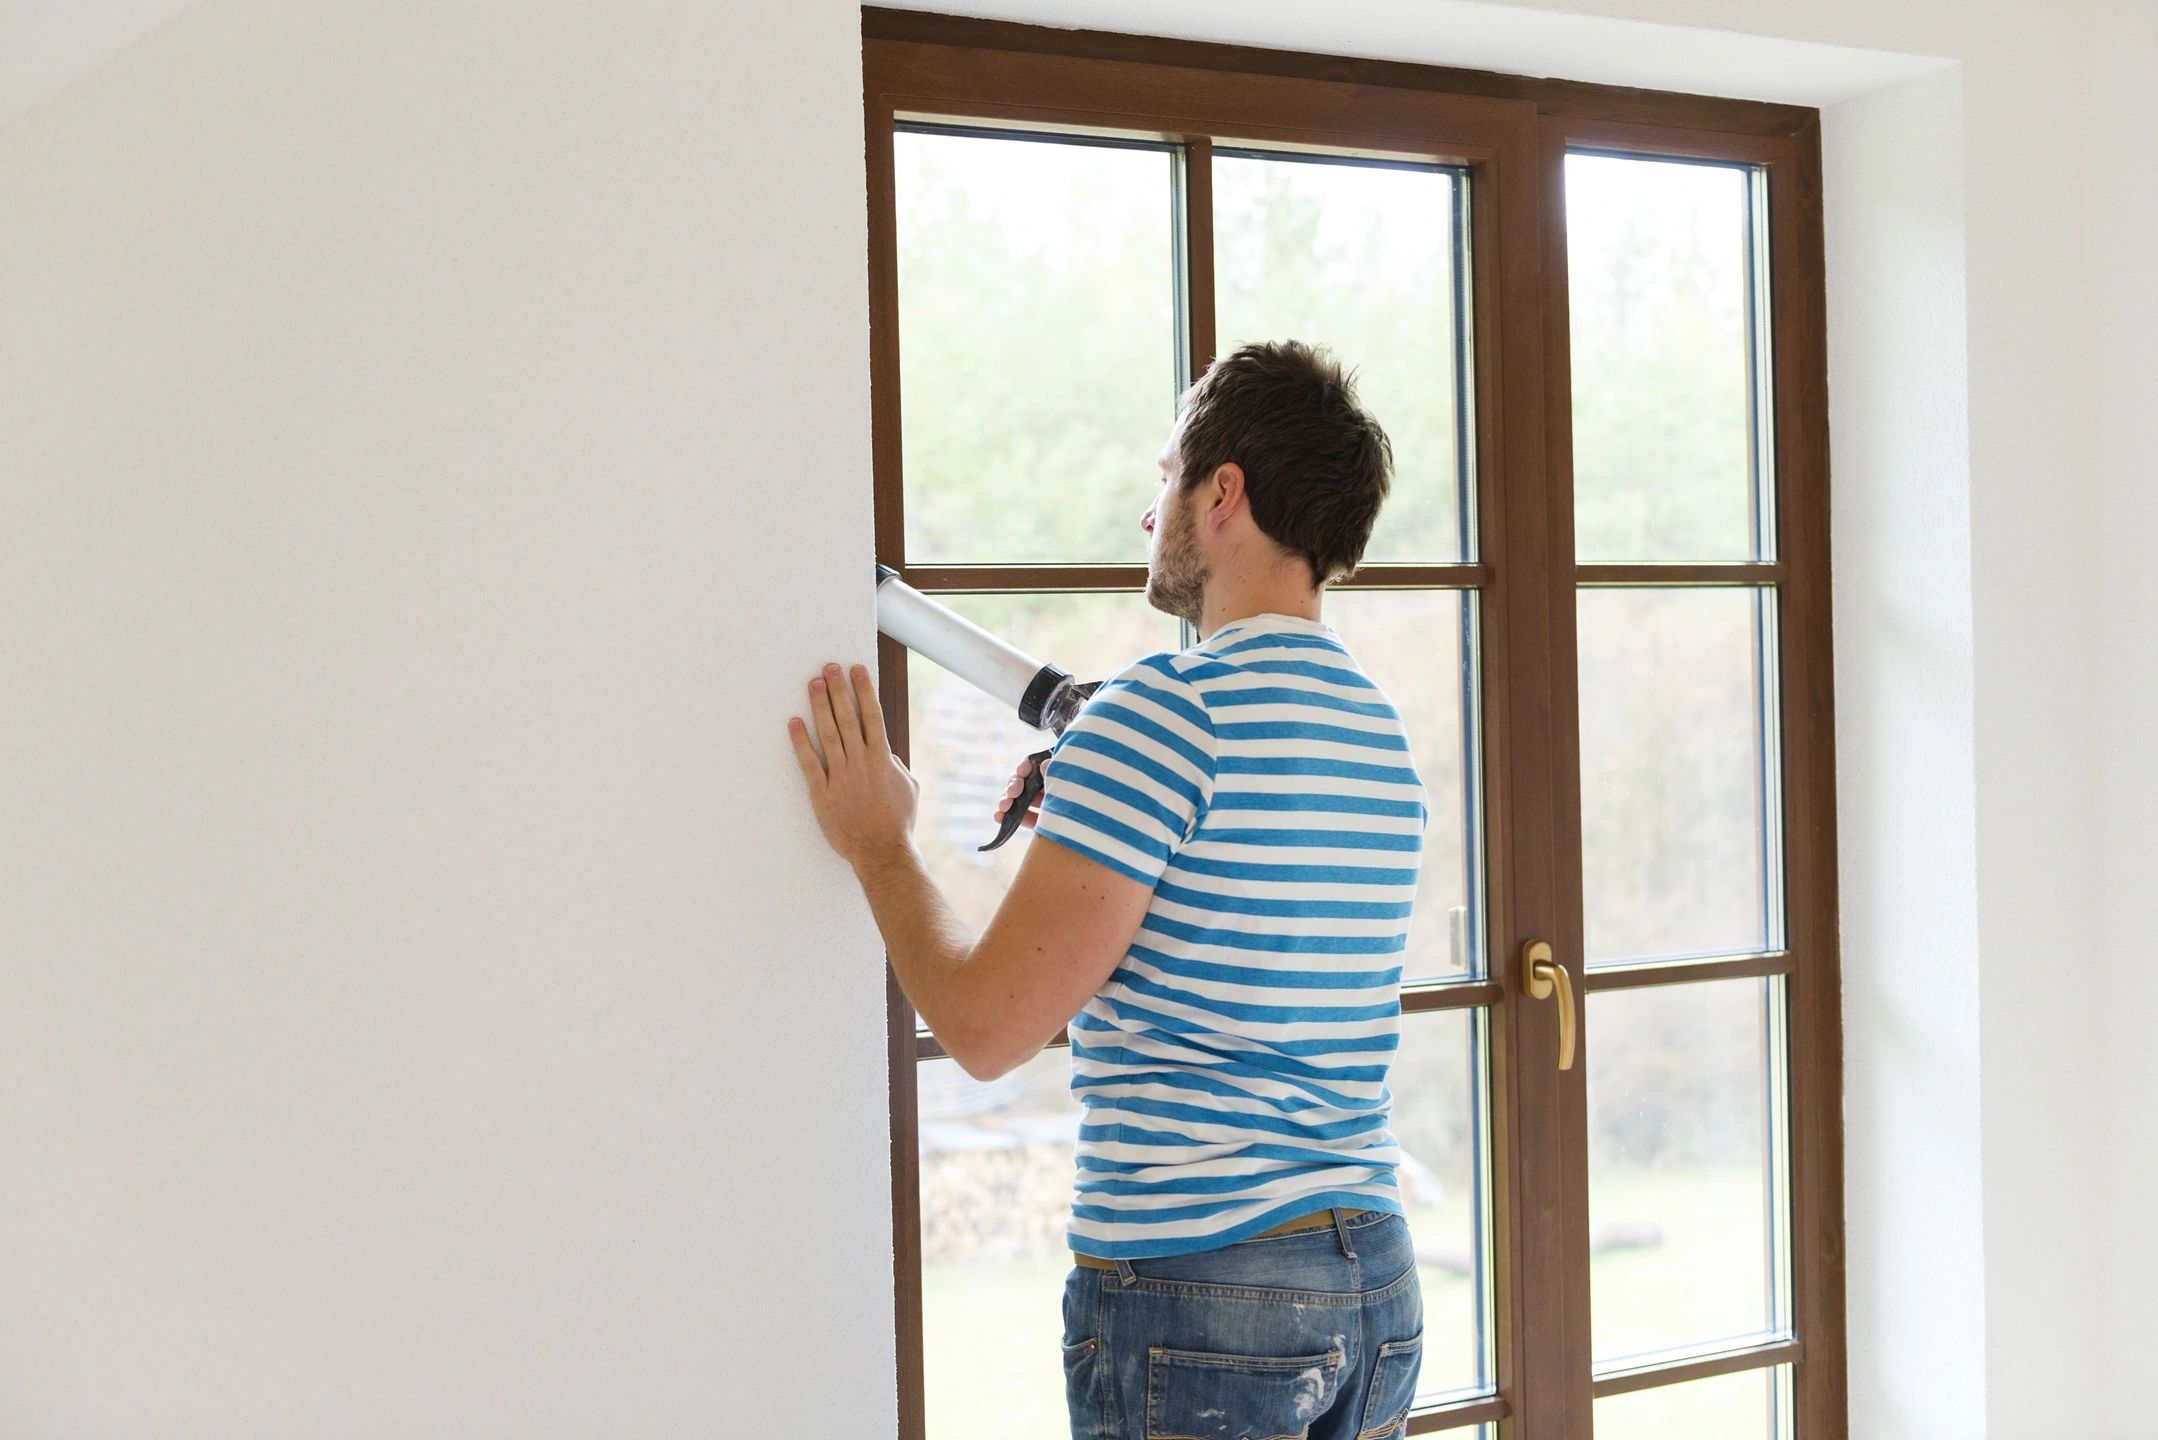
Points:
point(1341, 1228)
point(1124, 1273)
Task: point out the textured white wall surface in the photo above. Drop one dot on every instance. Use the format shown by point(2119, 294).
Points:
point(433, 445)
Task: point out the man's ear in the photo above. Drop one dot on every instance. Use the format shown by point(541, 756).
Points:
point(1227, 498)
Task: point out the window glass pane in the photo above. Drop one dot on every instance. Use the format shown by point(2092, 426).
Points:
point(1362, 259)
point(1742, 1406)
point(1037, 346)
point(962, 745)
point(1677, 845)
point(1418, 647)
point(1664, 343)
point(1679, 1088)
point(1439, 1094)
point(996, 1178)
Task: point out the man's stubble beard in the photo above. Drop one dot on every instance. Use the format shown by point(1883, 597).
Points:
point(1177, 583)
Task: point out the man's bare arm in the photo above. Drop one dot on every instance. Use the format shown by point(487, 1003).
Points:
point(993, 1002)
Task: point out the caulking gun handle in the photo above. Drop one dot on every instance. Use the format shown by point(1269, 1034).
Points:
point(1030, 795)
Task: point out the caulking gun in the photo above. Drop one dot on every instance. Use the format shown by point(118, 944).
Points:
point(1044, 696)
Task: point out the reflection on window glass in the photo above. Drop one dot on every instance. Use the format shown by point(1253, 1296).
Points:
point(1728, 1407)
point(1439, 1106)
point(1680, 1223)
point(1659, 266)
point(1410, 642)
point(1359, 258)
point(1675, 849)
point(996, 1185)
point(963, 745)
point(1037, 346)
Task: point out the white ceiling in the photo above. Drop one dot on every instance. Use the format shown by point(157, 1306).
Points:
point(45, 44)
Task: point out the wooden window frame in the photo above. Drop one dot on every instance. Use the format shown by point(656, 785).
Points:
point(927, 65)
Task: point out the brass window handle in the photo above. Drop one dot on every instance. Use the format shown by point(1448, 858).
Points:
point(1540, 974)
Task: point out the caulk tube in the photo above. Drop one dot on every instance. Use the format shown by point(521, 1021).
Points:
point(1001, 671)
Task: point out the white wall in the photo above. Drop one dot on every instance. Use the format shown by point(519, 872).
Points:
point(44, 47)
point(415, 959)
point(2118, 980)
point(1906, 771)
point(433, 445)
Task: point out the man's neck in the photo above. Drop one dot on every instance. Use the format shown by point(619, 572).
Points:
point(1226, 604)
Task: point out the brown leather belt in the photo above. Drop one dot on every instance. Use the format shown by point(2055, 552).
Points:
point(1316, 1220)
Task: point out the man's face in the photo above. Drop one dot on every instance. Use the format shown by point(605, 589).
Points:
point(1175, 570)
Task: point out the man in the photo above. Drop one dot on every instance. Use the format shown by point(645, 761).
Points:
point(1218, 922)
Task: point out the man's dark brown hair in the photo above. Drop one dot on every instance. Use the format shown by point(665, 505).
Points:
point(1316, 464)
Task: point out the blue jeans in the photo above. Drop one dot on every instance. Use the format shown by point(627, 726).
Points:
point(1318, 1333)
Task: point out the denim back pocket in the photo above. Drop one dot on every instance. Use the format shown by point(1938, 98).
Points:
point(1191, 1395)
point(1393, 1389)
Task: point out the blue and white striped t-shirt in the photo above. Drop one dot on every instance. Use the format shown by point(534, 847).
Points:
point(1233, 1069)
